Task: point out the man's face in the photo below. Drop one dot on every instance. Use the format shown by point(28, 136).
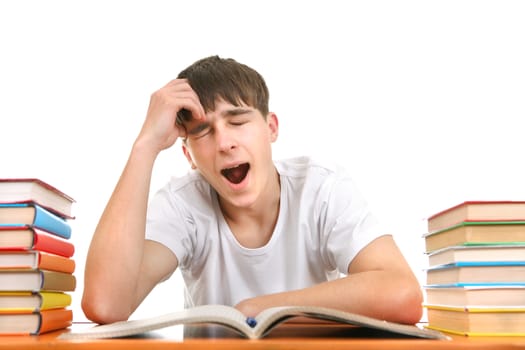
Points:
point(232, 150)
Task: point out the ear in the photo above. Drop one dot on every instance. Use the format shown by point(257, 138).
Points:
point(273, 125)
point(187, 154)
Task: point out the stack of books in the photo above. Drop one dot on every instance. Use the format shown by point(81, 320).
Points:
point(476, 275)
point(36, 257)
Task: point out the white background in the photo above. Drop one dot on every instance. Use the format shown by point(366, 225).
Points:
point(423, 101)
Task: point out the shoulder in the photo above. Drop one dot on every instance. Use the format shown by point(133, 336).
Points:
point(323, 182)
point(310, 167)
point(189, 190)
point(191, 183)
point(179, 215)
point(298, 166)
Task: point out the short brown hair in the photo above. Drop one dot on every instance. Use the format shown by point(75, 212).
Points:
point(214, 78)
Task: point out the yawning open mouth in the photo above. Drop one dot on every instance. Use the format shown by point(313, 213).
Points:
point(236, 174)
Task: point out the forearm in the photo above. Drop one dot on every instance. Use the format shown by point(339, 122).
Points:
point(380, 294)
point(116, 249)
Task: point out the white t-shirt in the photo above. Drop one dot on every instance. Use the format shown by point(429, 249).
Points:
point(323, 223)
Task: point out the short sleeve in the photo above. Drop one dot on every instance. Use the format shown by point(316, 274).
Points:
point(169, 225)
point(349, 225)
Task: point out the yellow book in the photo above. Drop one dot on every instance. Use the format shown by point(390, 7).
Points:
point(478, 321)
point(25, 302)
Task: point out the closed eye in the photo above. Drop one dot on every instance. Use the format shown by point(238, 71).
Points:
point(238, 121)
point(202, 134)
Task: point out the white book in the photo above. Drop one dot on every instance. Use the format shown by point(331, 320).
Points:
point(254, 328)
point(24, 190)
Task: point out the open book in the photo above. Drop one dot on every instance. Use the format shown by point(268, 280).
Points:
point(254, 328)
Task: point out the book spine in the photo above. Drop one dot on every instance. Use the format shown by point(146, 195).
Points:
point(51, 223)
point(54, 262)
point(54, 300)
point(57, 281)
point(47, 301)
point(47, 243)
point(51, 320)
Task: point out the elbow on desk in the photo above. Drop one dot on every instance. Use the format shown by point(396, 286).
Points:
point(101, 310)
point(408, 306)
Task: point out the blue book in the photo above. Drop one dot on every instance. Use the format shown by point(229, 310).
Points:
point(478, 263)
point(23, 214)
point(472, 273)
point(480, 285)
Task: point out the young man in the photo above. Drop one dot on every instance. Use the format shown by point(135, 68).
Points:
point(245, 230)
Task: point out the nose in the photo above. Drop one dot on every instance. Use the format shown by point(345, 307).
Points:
point(225, 139)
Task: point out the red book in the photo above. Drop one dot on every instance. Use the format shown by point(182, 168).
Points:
point(31, 238)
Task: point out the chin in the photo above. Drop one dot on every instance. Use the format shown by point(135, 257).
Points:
point(240, 200)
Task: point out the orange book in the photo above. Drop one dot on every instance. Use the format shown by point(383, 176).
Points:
point(478, 321)
point(36, 260)
point(35, 323)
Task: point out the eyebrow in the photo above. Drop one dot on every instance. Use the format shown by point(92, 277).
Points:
point(225, 114)
point(236, 111)
point(199, 128)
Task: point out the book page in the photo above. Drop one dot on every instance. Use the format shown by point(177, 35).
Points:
point(232, 318)
point(217, 314)
point(271, 317)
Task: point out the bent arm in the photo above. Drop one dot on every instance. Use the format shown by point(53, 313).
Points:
point(379, 284)
point(122, 267)
point(118, 272)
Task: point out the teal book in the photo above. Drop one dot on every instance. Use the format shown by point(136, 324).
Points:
point(23, 214)
point(471, 273)
point(477, 284)
point(479, 264)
